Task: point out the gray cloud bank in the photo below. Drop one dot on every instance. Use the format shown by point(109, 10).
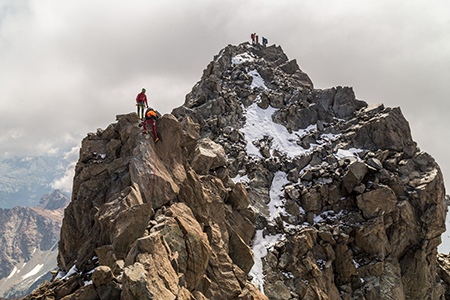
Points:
point(69, 67)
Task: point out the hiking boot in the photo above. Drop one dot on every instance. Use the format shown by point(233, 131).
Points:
point(157, 139)
point(144, 131)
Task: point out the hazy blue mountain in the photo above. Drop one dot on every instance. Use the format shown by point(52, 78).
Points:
point(23, 180)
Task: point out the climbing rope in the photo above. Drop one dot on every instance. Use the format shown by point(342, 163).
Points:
point(154, 173)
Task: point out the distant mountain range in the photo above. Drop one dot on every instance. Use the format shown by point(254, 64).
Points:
point(29, 244)
point(23, 180)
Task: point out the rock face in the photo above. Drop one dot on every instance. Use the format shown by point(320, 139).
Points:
point(261, 187)
point(28, 247)
point(144, 224)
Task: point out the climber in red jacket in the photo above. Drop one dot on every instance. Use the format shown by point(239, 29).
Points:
point(141, 103)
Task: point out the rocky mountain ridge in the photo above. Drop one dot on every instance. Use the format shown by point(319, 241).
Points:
point(261, 187)
point(28, 248)
point(383, 204)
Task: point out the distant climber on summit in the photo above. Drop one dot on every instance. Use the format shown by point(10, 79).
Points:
point(150, 118)
point(264, 41)
point(141, 103)
point(253, 38)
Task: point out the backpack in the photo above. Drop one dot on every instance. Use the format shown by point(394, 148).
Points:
point(140, 98)
point(150, 114)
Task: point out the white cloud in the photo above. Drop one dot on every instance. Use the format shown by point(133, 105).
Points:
point(66, 181)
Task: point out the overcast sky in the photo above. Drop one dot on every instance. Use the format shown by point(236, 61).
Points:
point(69, 67)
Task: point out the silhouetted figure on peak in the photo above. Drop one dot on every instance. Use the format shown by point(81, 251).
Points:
point(264, 41)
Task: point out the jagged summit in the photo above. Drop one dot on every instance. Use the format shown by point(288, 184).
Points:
point(54, 200)
point(261, 187)
point(235, 72)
